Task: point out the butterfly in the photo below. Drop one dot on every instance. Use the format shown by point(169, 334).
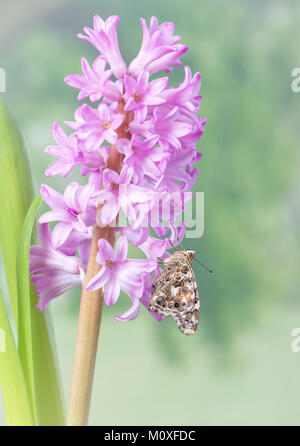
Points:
point(175, 293)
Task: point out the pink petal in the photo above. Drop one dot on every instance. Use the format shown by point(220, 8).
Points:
point(70, 195)
point(99, 65)
point(105, 252)
point(122, 249)
point(125, 175)
point(104, 112)
point(138, 194)
point(109, 211)
point(99, 280)
point(142, 81)
point(138, 266)
point(109, 176)
point(56, 215)
point(60, 233)
point(141, 113)
point(59, 135)
point(75, 81)
point(129, 84)
point(153, 100)
point(44, 234)
point(86, 69)
point(130, 314)
point(111, 136)
point(157, 86)
point(130, 104)
point(52, 198)
point(124, 146)
point(59, 168)
point(111, 291)
point(127, 207)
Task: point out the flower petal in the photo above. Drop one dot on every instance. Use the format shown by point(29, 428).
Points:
point(122, 249)
point(105, 252)
point(111, 291)
point(60, 233)
point(56, 215)
point(130, 314)
point(52, 198)
point(99, 280)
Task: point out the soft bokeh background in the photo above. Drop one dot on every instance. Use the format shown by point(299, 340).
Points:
point(239, 368)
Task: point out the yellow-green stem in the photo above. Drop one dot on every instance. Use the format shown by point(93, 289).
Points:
point(91, 311)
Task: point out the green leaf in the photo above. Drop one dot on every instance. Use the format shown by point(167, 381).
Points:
point(24, 304)
point(15, 197)
point(14, 389)
point(36, 356)
point(34, 338)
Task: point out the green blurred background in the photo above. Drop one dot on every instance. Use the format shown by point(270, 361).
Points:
point(239, 368)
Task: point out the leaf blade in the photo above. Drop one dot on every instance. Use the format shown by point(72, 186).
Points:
point(15, 395)
point(24, 301)
point(15, 197)
point(35, 347)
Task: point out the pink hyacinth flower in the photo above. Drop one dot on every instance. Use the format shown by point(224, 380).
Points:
point(53, 273)
point(168, 125)
point(71, 152)
point(143, 156)
point(159, 50)
point(91, 83)
point(136, 150)
point(104, 38)
point(173, 166)
point(119, 273)
point(72, 210)
point(120, 193)
point(140, 93)
point(98, 124)
point(154, 248)
point(187, 94)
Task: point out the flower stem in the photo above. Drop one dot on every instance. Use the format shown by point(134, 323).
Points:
point(91, 309)
point(87, 338)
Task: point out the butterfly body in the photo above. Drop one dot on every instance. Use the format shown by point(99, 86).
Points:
point(175, 293)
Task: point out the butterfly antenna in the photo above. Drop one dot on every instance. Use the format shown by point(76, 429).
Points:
point(173, 246)
point(204, 266)
point(180, 243)
point(181, 246)
point(198, 261)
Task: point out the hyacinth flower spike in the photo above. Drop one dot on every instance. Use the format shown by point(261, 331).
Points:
point(135, 147)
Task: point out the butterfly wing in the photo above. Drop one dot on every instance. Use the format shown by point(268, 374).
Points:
point(175, 295)
point(161, 292)
point(187, 322)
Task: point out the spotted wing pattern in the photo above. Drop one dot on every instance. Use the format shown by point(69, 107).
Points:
point(175, 294)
